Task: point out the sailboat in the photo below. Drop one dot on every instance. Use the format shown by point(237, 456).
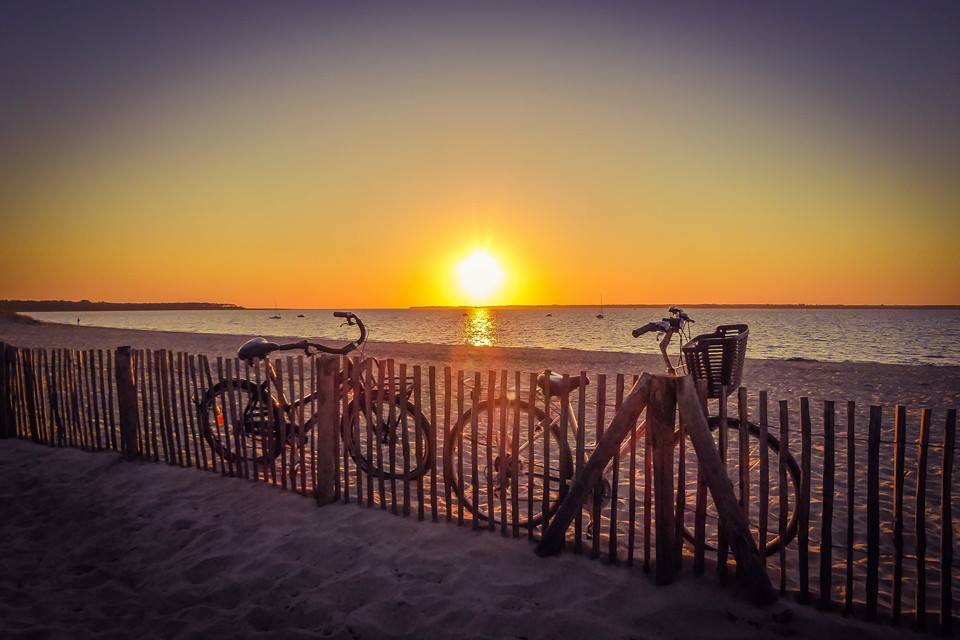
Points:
point(275, 316)
point(600, 315)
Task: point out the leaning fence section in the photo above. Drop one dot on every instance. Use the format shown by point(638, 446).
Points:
point(851, 506)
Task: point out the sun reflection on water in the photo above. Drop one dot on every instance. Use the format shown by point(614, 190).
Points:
point(478, 328)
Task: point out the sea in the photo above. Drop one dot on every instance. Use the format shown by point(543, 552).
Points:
point(894, 336)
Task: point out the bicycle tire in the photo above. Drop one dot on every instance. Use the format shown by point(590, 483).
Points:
point(565, 460)
point(357, 450)
point(793, 475)
point(227, 452)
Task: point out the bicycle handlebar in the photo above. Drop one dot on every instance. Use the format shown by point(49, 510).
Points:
point(260, 348)
point(351, 319)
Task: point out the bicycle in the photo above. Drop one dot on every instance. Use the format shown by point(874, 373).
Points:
point(268, 420)
point(552, 481)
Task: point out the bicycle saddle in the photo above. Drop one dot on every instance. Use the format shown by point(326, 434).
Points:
point(557, 387)
point(256, 348)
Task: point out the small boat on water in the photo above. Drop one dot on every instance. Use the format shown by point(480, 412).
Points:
point(600, 315)
point(300, 315)
point(274, 318)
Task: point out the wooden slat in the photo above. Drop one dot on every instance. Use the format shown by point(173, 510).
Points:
point(921, 519)
point(207, 378)
point(803, 534)
point(447, 397)
point(189, 438)
point(381, 479)
point(743, 411)
point(580, 457)
point(231, 424)
point(418, 438)
point(463, 481)
point(148, 424)
point(178, 428)
point(432, 380)
point(488, 480)
point(700, 504)
point(615, 478)
point(262, 398)
point(405, 439)
point(354, 424)
point(873, 512)
point(598, 492)
point(198, 428)
point(301, 423)
point(548, 419)
point(369, 384)
point(784, 504)
point(826, 517)
point(475, 442)
point(723, 438)
point(946, 524)
point(764, 483)
point(564, 430)
point(81, 396)
point(851, 505)
point(291, 440)
point(391, 422)
point(681, 509)
point(515, 459)
point(175, 417)
point(163, 401)
point(344, 427)
point(899, 459)
point(531, 449)
point(503, 452)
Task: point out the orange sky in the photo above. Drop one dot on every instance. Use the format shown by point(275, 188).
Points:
point(279, 172)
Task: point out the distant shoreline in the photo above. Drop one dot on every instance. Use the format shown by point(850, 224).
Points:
point(28, 306)
point(15, 306)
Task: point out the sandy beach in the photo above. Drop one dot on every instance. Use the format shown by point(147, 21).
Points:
point(96, 547)
point(867, 383)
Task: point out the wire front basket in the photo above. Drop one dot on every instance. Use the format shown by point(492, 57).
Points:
point(717, 358)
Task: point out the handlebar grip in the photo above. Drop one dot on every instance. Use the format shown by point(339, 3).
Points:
point(342, 314)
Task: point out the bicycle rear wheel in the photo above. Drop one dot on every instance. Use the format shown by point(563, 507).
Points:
point(496, 480)
point(381, 430)
point(255, 435)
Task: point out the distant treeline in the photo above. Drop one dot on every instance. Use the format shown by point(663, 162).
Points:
point(87, 305)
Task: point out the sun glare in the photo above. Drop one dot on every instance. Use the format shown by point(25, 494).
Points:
point(480, 276)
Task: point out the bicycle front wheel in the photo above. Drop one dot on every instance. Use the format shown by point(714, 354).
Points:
point(790, 470)
point(379, 435)
point(254, 435)
point(497, 471)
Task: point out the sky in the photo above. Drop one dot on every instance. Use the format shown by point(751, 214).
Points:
point(353, 154)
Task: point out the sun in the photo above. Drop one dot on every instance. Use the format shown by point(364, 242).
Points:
point(480, 276)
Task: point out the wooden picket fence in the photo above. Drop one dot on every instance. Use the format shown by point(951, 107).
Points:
point(875, 512)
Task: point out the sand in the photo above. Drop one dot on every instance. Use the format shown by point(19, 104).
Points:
point(96, 547)
point(867, 383)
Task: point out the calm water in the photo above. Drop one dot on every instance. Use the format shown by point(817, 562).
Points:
point(874, 335)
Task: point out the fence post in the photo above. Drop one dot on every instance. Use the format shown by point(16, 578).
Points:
point(127, 401)
point(326, 451)
point(661, 418)
point(4, 393)
point(750, 570)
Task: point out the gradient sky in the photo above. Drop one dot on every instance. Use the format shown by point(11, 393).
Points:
point(349, 154)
